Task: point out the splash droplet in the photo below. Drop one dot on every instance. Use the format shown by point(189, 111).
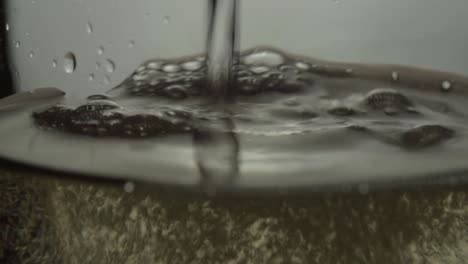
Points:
point(446, 86)
point(69, 62)
point(89, 28)
point(110, 66)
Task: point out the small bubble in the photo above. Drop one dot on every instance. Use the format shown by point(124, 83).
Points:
point(302, 65)
point(154, 65)
point(129, 187)
point(395, 76)
point(446, 86)
point(266, 58)
point(171, 68)
point(110, 66)
point(17, 44)
point(192, 65)
point(131, 44)
point(100, 50)
point(91, 77)
point(31, 54)
point(89, 28)
point(259, 69)
point(69, 62)
point(166, 19)
point(54, 64)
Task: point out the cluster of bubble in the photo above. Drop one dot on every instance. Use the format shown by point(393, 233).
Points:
point(101, 118)
point(257, 71)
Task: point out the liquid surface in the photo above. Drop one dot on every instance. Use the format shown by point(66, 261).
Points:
point(296, 122)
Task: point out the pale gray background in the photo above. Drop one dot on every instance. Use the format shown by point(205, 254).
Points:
point(427, 33)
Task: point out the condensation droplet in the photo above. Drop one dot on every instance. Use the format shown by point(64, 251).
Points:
point(89, 28)
point(91, 77)
point(110, 66)
point(395, 76)
point(131, 44)
point(166, 19)
point(54, 63)
point(100, 50)
point(446, 86)
point(31, 54)
point(69, 62)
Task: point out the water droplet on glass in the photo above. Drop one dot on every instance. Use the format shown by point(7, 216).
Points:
point(69, 62)
point(166, 19)
point(54, 63)
point(100, 50)
point(131, 44)
point(91, 77)
point(395, 76)
point(7, 27)
point(147, 14)
point(27, 34)
point(446, 86)
point(98, 65)
point(17, 44)
point(89, 28)
point(110, 66)
point(31, 54)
